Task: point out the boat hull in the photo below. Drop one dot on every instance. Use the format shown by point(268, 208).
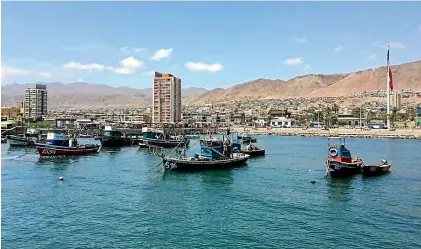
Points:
point(341, 169)
point(51, 150)
point(254, 153)
point(115, 141)
point(375, 170)
point(20, 141)
point(165, 144)
point(173, 164)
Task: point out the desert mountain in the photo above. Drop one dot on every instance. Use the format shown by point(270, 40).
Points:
point(82, 94)
point(405, 76)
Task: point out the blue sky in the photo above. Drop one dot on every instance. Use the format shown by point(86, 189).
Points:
point(206, 44)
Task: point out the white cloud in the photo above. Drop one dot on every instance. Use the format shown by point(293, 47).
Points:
point(307, 67)
point(300, 40)
point(121, 70)
point(131, 50)
point(80, 80)
point(131, 63)
point(338, 48)
point(80, 66)
point(199, 66)
point(46, 74)
point(149, 73)
point(127, 66)
point(161, 54)
point(294, 61)
point(399, 45)
point(371, 56)
point(9, 71)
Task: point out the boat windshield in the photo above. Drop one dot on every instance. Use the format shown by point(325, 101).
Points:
point(113, 133)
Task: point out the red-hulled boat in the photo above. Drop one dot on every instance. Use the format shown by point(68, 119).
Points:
point(55, 150)
point(339, 162)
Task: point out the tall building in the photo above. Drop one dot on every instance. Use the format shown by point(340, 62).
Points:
point(35, 103)
point(396, 100)
point(166, 98)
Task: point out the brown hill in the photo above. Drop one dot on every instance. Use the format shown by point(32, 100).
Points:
point(85, 95)
point(405, 76)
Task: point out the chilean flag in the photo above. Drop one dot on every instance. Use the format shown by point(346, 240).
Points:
point(389, 72)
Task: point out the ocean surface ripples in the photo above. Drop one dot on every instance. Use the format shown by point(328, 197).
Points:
point(116, 200)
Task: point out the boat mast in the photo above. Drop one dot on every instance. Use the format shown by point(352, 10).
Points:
point(388, 89)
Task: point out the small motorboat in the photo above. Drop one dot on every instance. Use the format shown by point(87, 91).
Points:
point(253, 150)
point(4, 140)
point(375, 170)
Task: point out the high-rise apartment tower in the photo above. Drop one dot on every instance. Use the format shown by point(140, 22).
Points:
point(35, 103)
point(166, 98)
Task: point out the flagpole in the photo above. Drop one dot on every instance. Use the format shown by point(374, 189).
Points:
point(388, 90)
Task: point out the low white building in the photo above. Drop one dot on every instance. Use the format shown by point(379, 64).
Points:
point(282, 122)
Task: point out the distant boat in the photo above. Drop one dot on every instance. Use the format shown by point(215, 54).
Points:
point(375, 170)
point(339, 162)
point(247, 138)
point(28, 139)
point(160, 138)
point(253, 150)
point(114, 138)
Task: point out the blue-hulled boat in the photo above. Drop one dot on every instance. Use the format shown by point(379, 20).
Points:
point(339, 162)
point(214, 154)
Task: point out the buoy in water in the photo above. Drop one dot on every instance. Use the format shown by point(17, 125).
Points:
point(61, 178)
point(313, 182)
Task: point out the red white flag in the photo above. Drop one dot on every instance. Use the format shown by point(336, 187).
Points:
point(389, 72)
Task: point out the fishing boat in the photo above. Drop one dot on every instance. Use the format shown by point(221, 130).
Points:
point(253, 150)
point(247, 138)
point(45, 150)
point(339, 162)
point(114, 138)
point(155, 137)
point(215, 154)
point(375, 170)
point(28, 139)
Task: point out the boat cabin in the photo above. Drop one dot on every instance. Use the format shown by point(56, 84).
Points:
point(110, 131)
point(338, 152)
point(149, 133)
point(57, 139)
point(215, 148)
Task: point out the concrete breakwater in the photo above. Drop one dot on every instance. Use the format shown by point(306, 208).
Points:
point(349, 133)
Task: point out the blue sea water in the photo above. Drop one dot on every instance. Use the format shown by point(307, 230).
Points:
point(116, 199)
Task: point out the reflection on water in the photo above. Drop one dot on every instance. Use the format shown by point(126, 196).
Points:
point(58, 163)
point(339, 189)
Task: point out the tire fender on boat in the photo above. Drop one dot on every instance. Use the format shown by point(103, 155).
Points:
point(333, 152)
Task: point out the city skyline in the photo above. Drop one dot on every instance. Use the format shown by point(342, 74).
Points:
point(209, 45)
